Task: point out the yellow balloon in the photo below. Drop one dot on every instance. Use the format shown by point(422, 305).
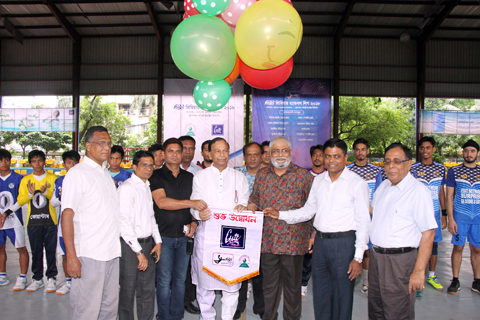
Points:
point(268, 33)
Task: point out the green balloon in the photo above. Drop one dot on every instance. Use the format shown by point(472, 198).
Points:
point(211, 7)
point(212, 95)
point(203, 48)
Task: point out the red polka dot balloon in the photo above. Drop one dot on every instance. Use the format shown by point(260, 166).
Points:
point(189, 8)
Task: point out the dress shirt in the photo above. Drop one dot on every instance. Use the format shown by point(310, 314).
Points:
point(401, 213)
point(137, 219)
point(192, 168)
point(338, 206)
point(251, 179)
point(90, 192)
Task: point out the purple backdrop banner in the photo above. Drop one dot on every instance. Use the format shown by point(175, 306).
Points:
point(300, 109)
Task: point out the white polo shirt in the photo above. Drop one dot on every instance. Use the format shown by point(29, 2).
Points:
point(89, 190)
point(401, 213)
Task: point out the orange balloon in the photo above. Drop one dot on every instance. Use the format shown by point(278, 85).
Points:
point(235, 72)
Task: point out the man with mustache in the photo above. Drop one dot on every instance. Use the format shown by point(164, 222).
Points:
point(463, 208)
point(285, 186)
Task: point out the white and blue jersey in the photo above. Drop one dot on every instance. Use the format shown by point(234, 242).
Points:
point(466, 201)
point(8, 197)
point(121, 176)
point(433, 177)
point(369, 173)
point(57, 194)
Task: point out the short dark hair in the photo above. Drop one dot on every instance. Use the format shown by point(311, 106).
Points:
point(170, 141)
point(36, 154)
point(248, 145)
point(426, 139)
point(361, 141)
point(216, 140)
point(5, 154)
point(184, 138)
point(71, 154)
point(335, 142)
point(206, 142)
point(141, 154)
point(313, 148)
point(118, 149)
point(406, 150)
point(92, 130)
point(265, 143)
point(155, 147)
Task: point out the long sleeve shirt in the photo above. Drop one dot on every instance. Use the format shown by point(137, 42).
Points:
point(338, 206)
point(137, 219)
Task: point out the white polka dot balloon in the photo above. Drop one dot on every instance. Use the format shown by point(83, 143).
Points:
point(190, 8)
point(235, 10)
point(210, 7)
point(212, 95)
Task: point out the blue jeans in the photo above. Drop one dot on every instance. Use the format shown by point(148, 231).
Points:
point(171, 275)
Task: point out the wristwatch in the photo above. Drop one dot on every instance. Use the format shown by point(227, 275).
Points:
point(139, 253)
point(359, 260)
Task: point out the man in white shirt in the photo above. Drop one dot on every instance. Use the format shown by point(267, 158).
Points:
point(140, 241)
point(91, 232)
point(339, 201)
point(402, 238)
point(188, 155)
point(224, 188)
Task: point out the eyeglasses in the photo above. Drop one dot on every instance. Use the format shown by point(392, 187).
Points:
point(395, 161)
point(148, 166)
point(283, 151)
point(102, 144)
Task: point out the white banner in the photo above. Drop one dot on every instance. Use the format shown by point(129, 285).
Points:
point(232, 247)
point(25, 119)
point(183, 117)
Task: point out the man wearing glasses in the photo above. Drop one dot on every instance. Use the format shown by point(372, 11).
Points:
point(339, 202)
point(91, 231)
point(284, 186)
point(403, 228)
point(140, 241)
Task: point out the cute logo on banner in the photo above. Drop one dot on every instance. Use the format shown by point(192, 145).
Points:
point(233, 237)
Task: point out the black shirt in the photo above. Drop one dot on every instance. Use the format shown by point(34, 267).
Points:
point(171, 222)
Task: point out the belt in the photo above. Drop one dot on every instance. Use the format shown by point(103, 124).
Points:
point(330, 235)
point(144, 240)
point(392, 250)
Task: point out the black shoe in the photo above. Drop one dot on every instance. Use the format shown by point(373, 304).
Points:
point(192, 309)
point(157, 316)
point(237, 315)
point(476, 286)
point(260, 314)
point(454, 287)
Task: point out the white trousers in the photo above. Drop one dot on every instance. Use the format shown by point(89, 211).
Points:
point(206, 299)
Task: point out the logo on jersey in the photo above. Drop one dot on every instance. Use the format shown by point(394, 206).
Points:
point(477, 177)
point(368, 176)
point(48, 184)
point(436, 174)
point(39, 200)
point(420, 173)
point(464, 176)
point(11, 185)
point(6, 200)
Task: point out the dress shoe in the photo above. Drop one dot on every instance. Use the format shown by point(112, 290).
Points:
point(237, 315)
point(192, 309)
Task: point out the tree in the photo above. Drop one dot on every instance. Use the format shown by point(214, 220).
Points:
point(381, 122)
point(95, 113)
point(50, 141)
point(141, 103)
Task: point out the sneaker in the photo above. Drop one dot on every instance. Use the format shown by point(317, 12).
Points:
point(304, 291)
point(476, 286)
point(4, 281)
point(364, 289)
point(51, 285)
point(64, 289)
point(454, 287)
point(35, 285)
point(433, 281)
point(20, 284)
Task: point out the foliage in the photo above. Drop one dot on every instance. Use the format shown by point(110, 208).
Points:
point(95, 113)
point(381, 122)
point(50, 141)
point(141, 103)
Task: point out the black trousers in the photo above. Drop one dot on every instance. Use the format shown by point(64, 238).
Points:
point(257, 288)
point(307, 269)
point(136, 283)
point(282, 273)
point(43, 237)
point(332, 290)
